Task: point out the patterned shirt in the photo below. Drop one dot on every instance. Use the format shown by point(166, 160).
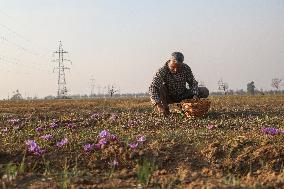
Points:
point(175, 83)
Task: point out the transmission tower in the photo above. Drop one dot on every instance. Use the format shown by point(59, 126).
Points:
point(92, 86)
point(61, 82)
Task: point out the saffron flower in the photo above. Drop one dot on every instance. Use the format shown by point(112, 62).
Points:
point(113, 118)
point(133, 145)
point(46, 137)
point(88, 147)
point(31, 144)
point(210, 127)
point(38, 129)
point(104, 134)
point(132, 123)
point(103, 141)
point(53, 125)
point(62, 142)
point(14, 121)
point(270, 131)
point(141, 139)
point(113, 137)
point(104, 137)
point(96, 116)
point(98, 146)
point(114, 163)
point(4, 130)
point(71, 125)
point(33, 147)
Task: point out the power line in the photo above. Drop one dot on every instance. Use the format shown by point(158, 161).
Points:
point(14, 33)
point(20, 47)
point(13, 38)
point(23, 49)
point(9, 16)
point(17, 62)
point(14, 62)
point(17, 34)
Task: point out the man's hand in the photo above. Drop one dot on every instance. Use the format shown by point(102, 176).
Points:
point(162, 109)
point(195, 97)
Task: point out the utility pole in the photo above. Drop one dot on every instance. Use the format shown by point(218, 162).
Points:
point(61, 82)
point(92, 86)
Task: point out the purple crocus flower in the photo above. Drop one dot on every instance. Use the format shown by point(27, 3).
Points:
point(13, 121)
point(62, 142)
point(113, 137)
point(46, 137)
point(270, 131)
point(114, 163)
point(98, 146)
point(38, 129)
point(210, 127)
point(95, 116)
point(71, 125)
point(133, 145)
point(4, 130)
point(31, 144)
point(102, 141)
point(132, 123)
point(113, 118)
point(33, 147)
point(104, 134)
point(88, 147)
point(141, 139)
point(53, 125)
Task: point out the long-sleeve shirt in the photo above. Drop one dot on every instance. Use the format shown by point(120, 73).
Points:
point(175, 83)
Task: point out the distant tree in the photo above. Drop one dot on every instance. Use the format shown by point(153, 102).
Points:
point(17, 95)
point(83, 96)
point(92, 95)
point(250, 88)
point(276, 83)
point(49, 97)
point(240, 92)
point(112, 90)
point(261, 92)
point(223, 86)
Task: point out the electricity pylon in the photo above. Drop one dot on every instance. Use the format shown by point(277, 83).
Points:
point(61, 82)
point(92, 86)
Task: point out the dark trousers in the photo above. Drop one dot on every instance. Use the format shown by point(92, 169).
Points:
point(166, 99)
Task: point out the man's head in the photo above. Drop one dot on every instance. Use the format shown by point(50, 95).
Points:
point(175, 62)
point(178, 56)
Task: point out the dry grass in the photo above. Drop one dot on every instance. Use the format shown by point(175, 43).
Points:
point(224, 149)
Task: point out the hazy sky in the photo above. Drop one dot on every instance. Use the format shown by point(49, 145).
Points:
point(124, 42)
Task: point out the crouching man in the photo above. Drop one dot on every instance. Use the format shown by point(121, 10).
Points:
point(169, 84)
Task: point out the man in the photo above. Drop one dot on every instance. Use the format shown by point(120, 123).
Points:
point(169, 85)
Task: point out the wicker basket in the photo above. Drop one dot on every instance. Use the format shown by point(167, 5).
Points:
point(195, 107)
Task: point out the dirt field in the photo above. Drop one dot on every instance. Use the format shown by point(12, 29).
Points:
point(124, 144)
